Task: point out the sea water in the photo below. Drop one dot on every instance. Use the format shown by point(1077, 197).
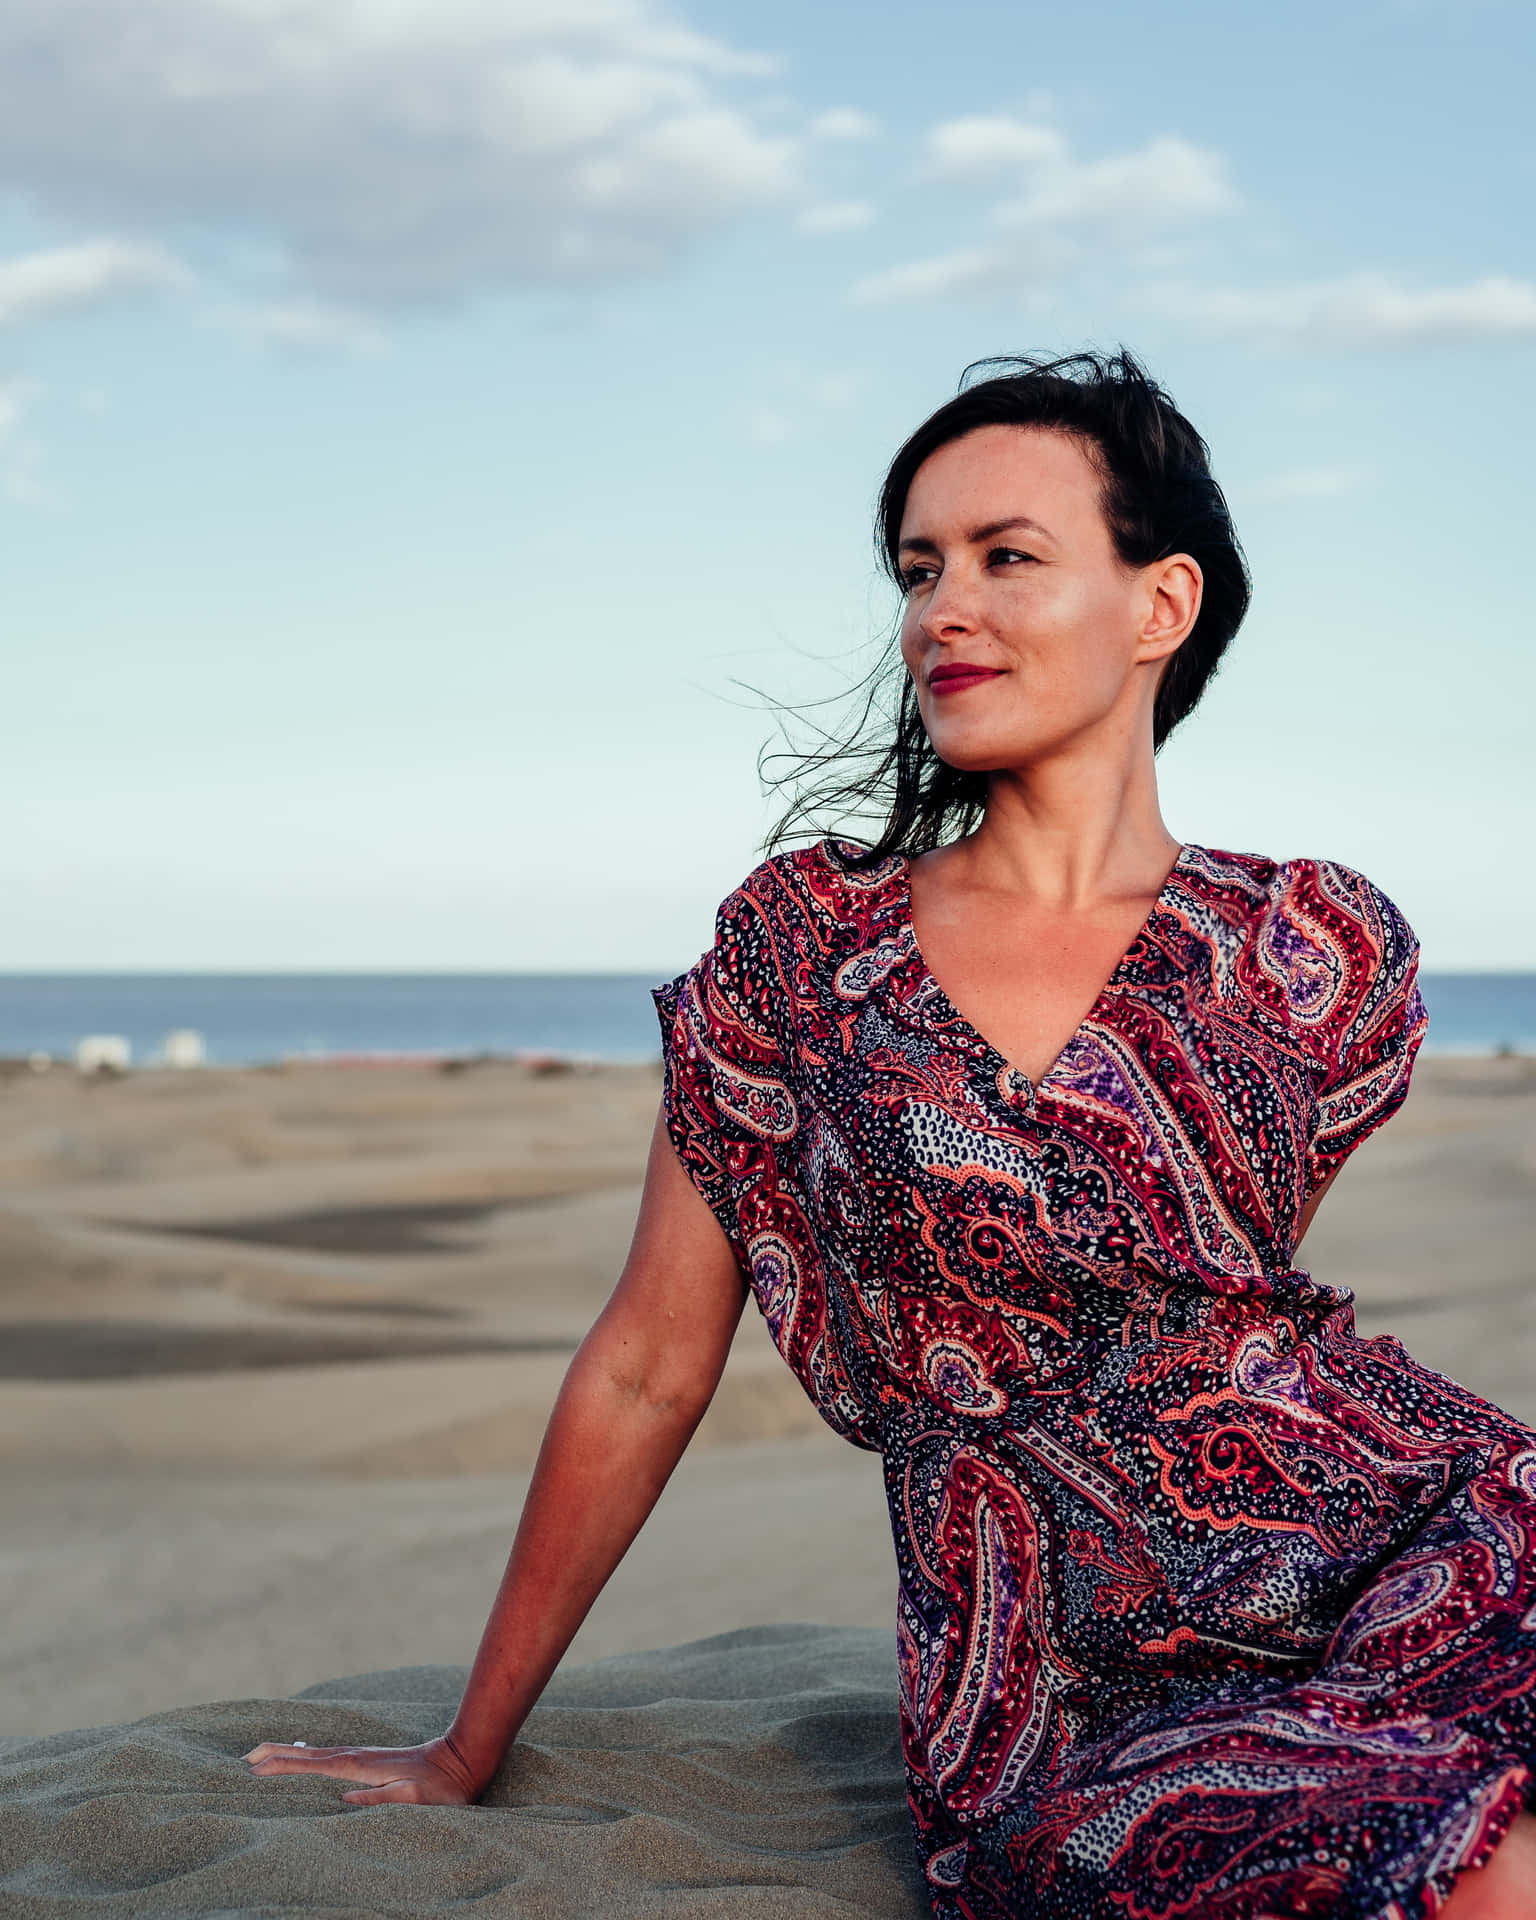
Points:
point(251, 1019)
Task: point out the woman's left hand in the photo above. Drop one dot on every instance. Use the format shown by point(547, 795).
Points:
point(431, 1775)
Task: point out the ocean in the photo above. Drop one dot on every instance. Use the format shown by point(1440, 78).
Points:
point(252, 1019)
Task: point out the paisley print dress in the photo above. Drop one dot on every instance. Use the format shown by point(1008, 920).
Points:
point(1208, 1606)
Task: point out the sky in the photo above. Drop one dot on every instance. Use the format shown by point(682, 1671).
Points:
point(438, 437)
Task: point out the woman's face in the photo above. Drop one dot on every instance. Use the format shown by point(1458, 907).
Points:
point(1024, 632)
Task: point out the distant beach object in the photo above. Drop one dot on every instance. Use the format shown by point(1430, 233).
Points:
point(40, 1062)
point(184, 1047)
point(103, 1053)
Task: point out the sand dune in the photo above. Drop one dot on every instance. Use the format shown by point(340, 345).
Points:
point(755, 1775)
point(128, 1590)
point(481, 1413)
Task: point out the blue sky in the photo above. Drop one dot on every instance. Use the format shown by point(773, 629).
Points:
point(421, 420)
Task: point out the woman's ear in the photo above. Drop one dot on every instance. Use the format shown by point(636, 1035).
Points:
point(1174, 587)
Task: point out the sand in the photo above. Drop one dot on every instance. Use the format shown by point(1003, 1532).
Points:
point(755, 1774)
point(276, 1349)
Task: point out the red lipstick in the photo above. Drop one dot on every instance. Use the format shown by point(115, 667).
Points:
point(954, 676)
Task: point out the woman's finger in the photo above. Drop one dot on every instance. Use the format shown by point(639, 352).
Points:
point(272, 1757)
point(391, 1790)
point(338, 1762)
point(269, 1749)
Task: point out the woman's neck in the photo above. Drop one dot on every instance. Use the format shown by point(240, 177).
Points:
point(1068, 833)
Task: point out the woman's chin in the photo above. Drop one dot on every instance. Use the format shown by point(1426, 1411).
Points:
point(979, 754)
point(982, 749)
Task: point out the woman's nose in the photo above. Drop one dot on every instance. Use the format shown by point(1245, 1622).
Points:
point(951, 610)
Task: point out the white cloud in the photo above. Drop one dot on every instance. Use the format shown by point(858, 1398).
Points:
point(836, 216)
point(1311, 483)
point(397, 150)
point(844, 123)
point(1061, 210)
point(307, 326)
point(12, 400)
point(769, 427)
point(973, 270)
point(802, 402)
point(830, 392)
point(34, 284)
point(1158, 185)
point(980, 147)
point(1362, 310)
point(21, 482)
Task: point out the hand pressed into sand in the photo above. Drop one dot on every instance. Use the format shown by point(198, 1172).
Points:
point(431, 1775)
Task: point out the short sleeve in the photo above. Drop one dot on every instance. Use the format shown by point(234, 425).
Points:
point(1379, 1026)
point(740, 1105)
point(729, 1107)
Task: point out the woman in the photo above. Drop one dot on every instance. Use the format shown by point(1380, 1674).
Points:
point(1012, 1123)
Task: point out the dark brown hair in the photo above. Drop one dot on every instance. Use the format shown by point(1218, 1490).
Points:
point(1159, 499)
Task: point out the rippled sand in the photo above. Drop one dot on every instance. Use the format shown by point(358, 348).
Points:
point(757, 1774)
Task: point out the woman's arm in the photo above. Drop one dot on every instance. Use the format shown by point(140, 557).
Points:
point(1309, 1211)
point(634, 1393)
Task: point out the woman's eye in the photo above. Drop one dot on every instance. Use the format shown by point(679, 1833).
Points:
point(1005, 556)
point(914, 576)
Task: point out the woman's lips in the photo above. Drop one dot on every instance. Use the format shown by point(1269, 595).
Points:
point(957, 678)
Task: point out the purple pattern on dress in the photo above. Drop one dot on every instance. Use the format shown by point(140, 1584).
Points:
point(1209, 1608)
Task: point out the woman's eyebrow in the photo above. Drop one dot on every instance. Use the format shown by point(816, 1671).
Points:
point(920, 543)
point(978, 534)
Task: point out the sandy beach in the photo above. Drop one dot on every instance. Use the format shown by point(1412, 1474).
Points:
point(276, 1348)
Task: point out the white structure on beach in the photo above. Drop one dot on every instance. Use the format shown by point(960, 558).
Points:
point(184, 1047)
point(103, 1053)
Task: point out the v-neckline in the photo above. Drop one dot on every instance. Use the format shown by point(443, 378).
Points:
point(953, 1017)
